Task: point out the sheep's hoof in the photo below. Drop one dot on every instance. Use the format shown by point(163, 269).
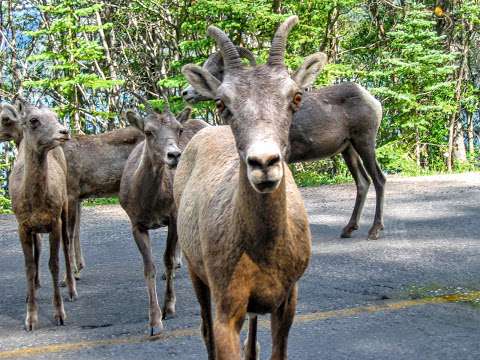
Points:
point(156, 330)
point(31, 322)
point(348, 230)
point(374, 232)
point(168, 311)
point(72, 295)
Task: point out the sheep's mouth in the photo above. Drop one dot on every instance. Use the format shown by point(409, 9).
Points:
point(62, 139)
point(266, 186)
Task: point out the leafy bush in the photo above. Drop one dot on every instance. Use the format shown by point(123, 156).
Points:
point(321, 172)
point(5, 204)
point(394, 159)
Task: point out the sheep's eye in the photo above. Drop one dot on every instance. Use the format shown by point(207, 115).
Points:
point(34, 122)
point(180, 132)
point(297, 99)
point(220, 105)
point(148, 133)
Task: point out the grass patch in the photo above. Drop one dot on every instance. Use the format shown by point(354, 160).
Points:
point(461, 294)
point(100, 201)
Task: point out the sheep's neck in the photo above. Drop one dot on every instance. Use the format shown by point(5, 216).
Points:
point(263, 217)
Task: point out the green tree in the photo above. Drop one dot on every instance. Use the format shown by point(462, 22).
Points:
point(412, 77)
point(71, 72)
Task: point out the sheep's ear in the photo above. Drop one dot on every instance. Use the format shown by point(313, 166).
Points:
point(9, 114)
point(307, 73)
point(184, 115)
point(201, 80)
point(134, 119)
point(21, 105)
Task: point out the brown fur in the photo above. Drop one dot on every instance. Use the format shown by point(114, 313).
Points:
point(241, 220)
point(146, 194)
point(95, 165)
point(248, 249)
point(38, 188)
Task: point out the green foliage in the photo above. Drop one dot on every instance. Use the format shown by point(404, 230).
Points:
point(395, 159)
point(405, 53)
point(5, 204)
point(412, 80)
point(321, 172)
point(66, 68)
point(100, 201)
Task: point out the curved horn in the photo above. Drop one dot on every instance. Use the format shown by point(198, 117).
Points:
point(247, 54)
point(279, 42)
point(231, 58)
point(217, 59)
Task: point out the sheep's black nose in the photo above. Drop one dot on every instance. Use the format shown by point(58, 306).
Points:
point(174, 155)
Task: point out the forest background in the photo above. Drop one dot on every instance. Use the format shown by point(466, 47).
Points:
point(421, 59)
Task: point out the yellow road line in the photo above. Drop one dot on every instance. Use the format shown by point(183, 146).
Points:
point(303, 318)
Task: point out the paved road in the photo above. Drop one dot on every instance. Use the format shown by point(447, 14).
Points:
point(358, 300)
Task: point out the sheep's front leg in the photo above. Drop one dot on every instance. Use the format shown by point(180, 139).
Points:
point(169, 261)
point(26, 239)
point(55, 239)
point(155, 313)
point(282, 319)
point(69, 260)
point(37, 241)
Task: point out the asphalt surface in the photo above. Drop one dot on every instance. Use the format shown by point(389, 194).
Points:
point(358, 300)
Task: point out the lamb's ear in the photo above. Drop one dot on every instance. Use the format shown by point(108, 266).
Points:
point(184, 115)
point(201, 80)
point(9, 114)
point(307, 73)
point(21, 105)
point(134, 119)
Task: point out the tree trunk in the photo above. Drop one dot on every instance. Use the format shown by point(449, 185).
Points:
point(459, 151)
point(418, 149)
point(453, 126)
point(470, 134)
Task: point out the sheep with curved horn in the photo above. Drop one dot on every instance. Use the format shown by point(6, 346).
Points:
point(342, 118)
point(241, 220)
point(214, 64)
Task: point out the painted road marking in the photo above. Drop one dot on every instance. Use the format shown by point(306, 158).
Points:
point(302, 318)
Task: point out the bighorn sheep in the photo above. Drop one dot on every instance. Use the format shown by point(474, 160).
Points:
point(38, 188)
point(342, 118)
point(241, 220)
point(146, 194)
point(95, 164)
